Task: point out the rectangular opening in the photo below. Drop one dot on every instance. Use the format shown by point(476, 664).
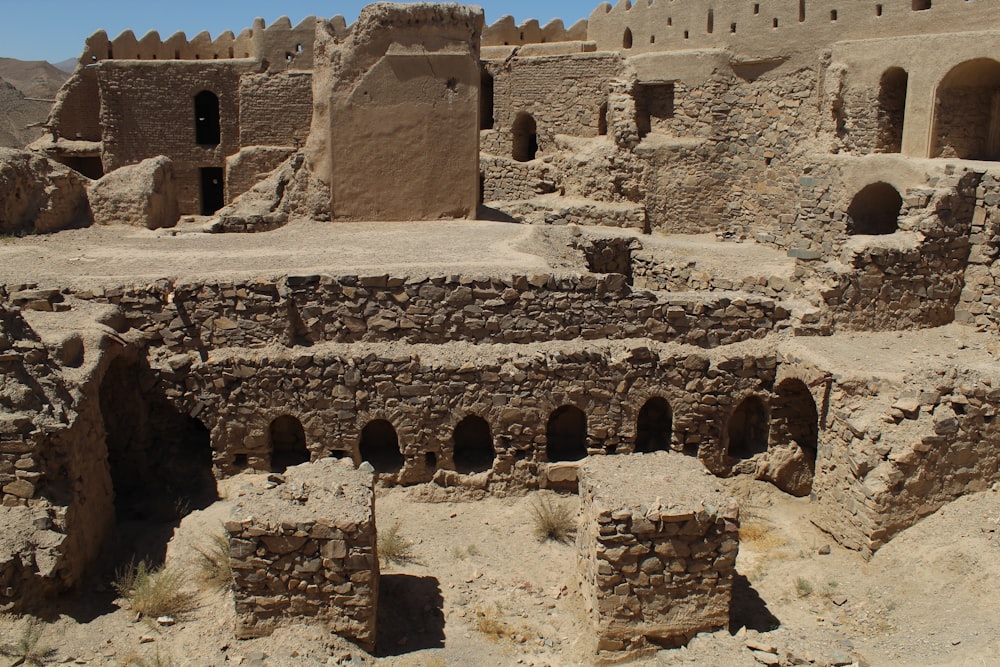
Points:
point(654, 106)
point(213, 194)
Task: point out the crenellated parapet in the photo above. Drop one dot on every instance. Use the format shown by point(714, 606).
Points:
point(770, 28)
point(505, 32)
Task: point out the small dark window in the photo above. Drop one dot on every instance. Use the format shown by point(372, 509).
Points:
point(627, 39)
point(833, 14)
point(486, 118)
point(732, 28)
point(920, 5)
point(208, 131)
point(711, 22)
point(802, 11)
point(602, 120)
point(775, 22)
point(756, 8)
point(686, 34)
point(878, 10)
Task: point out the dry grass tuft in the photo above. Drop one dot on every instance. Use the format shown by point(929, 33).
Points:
point(489, 621)
point(29, 649)
point(154, 592)
point(760, 535)
point(155, 660)
point(393, 547)
point(553, 520)
point(215, 564)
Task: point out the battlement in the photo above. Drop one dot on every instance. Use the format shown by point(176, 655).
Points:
point(767, 27)
point(281, 41)
point(505, 32)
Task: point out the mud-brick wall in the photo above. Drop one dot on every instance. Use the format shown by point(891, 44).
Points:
point(147, 109)
point(305, 550)
point(563, 94)
point(656, 553)
point(335, 391)
point(516, 309)
point(275, 108)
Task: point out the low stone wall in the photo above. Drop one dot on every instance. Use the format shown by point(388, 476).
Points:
point(197, 317)
point(980, 301)
point(650, 273)
point(657, 547)
point(304, 549)
point(504, 179)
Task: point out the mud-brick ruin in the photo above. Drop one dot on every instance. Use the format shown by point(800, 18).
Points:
point(761, 236)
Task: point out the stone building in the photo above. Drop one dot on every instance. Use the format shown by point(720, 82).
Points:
point(850, 146)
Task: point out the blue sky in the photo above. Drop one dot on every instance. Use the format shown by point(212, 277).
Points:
point(54, 30)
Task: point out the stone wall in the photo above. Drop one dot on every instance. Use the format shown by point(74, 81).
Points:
point(657, 547)
point(197, 317)
point(304, 549)
point(980, 301)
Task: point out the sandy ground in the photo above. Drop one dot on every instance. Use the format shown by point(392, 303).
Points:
point(482, 590)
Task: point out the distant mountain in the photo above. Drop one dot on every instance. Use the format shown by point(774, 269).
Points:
point(67, 65)
point(34, 78)
point(26, 91)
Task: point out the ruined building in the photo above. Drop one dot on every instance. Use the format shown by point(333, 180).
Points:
point(846, 151)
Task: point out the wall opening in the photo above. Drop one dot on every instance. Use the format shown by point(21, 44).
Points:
point(380, 447)
point(920, 5)
point(207, 128)
point(654, 107)
point(602, 120)
point(654, 426)
point(288, 443)
point(795, 428)
point(627, 39)
point(473, 444)
point(874, 210)
point(159, 459)
point(967, 112)
point(566, 434)
point(891, 110)
point(486, 119)
point(747, 429)
point(802, 11)
point(710, 25)
point(525, 134)
point(213, 191)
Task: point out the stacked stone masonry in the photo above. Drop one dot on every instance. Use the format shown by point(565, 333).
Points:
point(657, 551)
point(303, 549)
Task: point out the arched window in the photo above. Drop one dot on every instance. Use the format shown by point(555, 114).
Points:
point(747, 430)
point(566, 434)
point(627, 39)
point(525, 134)
point(967, 112)
point(288, 443)
point(380, 447)
point(891, 110)
point(207, 129)
point(654, 427)
point(874, 210)
point(473, 445)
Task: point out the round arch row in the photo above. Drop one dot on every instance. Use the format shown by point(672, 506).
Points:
point(759, 426)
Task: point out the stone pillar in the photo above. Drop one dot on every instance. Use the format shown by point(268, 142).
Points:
point(657, 549)
point(304, 548)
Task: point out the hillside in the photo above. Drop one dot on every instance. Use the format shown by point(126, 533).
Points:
point(22, 85)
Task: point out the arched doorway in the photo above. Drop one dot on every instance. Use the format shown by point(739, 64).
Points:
point(654, 426)
point(288, 443)
point(747, 429)
point(874, 210)
point(967, 112)
point(473, 443)
point(207, 127)
point(525, 135)
point(566, 434)
point(891, 110)
point(380, 447)
point(794, 437)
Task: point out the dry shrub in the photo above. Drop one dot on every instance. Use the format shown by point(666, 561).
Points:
point(489, 621)
point(760, 535)
point(154, 592)
point(552, 520)
point(393, 547)
point(155, 660)
point(215, 564)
